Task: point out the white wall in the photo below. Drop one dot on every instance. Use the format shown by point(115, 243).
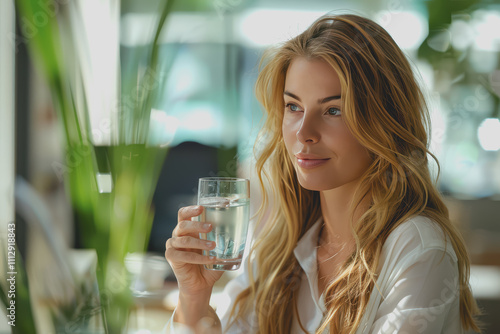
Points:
point(7, 52)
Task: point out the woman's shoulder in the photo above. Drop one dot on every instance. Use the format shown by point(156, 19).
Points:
point(417, 235)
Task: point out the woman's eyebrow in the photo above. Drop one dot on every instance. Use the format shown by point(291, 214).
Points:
point(320, 101)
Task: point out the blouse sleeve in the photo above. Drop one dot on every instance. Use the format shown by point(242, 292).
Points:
point(423, 298)
point(176, 328)
point(247, 323)
point(225, 304)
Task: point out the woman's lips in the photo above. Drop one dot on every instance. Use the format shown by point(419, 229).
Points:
point(311, 163)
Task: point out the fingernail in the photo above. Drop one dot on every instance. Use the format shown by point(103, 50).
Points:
point(198, 207)
point(211, 257)
point(209, 243)
point(206, 226)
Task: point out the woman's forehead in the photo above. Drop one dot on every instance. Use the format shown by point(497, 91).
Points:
point(312, 77)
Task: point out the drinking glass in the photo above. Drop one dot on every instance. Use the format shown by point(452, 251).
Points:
point(226, 203)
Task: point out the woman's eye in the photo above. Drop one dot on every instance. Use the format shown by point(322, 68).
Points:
point(292, 107)
point(333, 111)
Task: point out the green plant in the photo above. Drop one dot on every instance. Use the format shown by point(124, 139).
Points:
point(117, 220)
point(22, 300)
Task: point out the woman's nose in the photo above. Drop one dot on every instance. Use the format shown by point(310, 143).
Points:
point(308, 130)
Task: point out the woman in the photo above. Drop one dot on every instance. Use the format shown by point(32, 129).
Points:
point(356, 238)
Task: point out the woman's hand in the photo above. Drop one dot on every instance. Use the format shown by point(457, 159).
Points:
point(184, 253)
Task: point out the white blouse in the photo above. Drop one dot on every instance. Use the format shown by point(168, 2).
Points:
point(418, 288)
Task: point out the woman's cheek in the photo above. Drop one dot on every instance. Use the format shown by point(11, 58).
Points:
point(289, 133)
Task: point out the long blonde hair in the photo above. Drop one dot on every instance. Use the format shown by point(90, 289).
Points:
point(385, 110)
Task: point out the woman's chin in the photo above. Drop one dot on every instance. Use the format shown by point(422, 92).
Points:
point(313, 185)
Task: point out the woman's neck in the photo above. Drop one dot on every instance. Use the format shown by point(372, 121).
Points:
point(335, 204)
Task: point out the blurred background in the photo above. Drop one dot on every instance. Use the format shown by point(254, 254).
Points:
point(208, 117)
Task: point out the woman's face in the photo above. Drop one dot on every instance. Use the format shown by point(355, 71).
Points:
point(324, 153)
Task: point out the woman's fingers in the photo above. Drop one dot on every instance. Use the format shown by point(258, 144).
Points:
point(188, 227)
point(181, 248)
point(175, 255)
point(189, 242)
point(187, 212)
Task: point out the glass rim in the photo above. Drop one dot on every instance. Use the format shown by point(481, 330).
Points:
point(222, 178)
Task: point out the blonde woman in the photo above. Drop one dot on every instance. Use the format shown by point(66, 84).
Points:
point(357, 238)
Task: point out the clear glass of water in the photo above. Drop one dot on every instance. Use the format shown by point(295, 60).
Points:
point(226, 203)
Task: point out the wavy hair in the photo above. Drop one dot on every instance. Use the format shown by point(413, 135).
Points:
point(385, 109)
